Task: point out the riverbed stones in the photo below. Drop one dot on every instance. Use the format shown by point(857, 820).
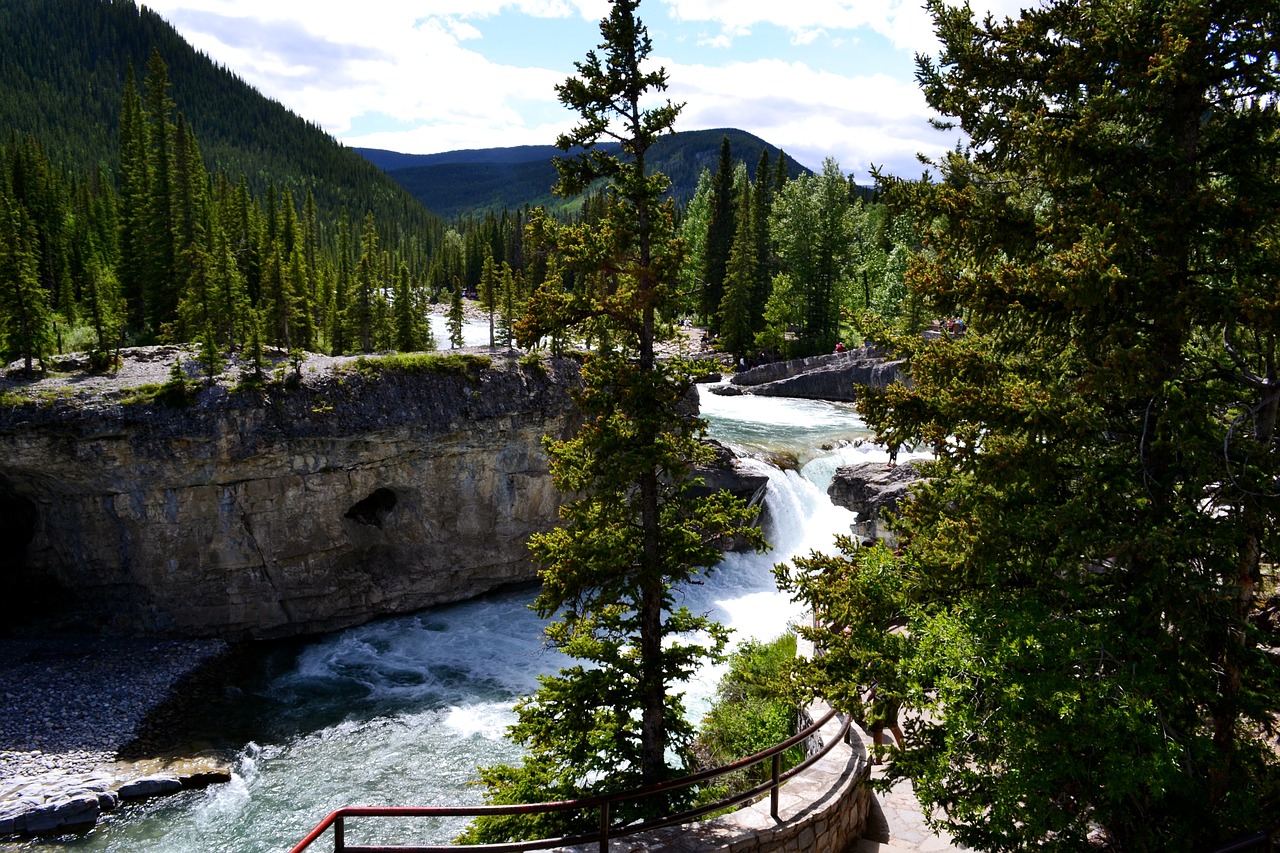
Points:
point(70, 704)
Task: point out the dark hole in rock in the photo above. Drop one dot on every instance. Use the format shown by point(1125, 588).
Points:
point(17, 528)
point(30, 595)
point(373, 509)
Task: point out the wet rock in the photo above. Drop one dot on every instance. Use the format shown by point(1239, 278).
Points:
point(872, 488)
point(149, 787)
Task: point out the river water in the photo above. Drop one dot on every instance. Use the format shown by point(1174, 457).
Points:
point(401, 711)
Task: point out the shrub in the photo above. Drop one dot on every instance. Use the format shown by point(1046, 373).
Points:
point(417, 362)
point(752, 711)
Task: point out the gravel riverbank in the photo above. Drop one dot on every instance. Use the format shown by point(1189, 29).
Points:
point(69, 706)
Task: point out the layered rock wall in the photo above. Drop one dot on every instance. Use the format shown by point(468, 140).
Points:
point(836, 376)
point(280, 513)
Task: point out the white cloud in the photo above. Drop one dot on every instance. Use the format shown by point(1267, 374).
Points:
point(414, 76)
point(803, 37)
point(412, 63)
point(812, 114)
point(905, 23)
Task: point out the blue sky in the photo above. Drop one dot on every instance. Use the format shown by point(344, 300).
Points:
point(819, 78)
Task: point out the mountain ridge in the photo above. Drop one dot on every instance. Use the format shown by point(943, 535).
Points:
point(476, 180)
point(63, 67)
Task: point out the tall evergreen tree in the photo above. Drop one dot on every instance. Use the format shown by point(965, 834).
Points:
point(634, 530)
point(160, 287)
point(103, 308)
point(721, 227)
point(489, 294)
point(1089, 558)
point(408, 323)
point(362, 312)
point(736, 318)
point(457, 315)
point(24, 305)
point(762, 205)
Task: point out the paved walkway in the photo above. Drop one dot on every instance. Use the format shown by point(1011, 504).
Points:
point(898, 826)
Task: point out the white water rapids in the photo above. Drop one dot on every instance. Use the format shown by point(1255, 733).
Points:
point(400, 712)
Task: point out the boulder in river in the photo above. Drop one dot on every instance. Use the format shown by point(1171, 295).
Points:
point(871, 488)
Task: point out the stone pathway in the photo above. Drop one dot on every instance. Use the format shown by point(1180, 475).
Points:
point(898, 826)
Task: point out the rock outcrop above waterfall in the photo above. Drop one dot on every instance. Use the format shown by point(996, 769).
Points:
point(306, 506)
point(872, 488)
point(834, 377)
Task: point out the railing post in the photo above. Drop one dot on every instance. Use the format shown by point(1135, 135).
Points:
point(604, 827)
point(339, 836)
point(773, 792)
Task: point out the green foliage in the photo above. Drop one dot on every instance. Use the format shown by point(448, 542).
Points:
point(753, 711)
point(25, 314)
point(456, 316)
point(463, 364)
point(632, 531)
point(63, 63)
point(813, 226)
point(533, 361)
point(858, 597)
point(735, 309)
point(1085, 567)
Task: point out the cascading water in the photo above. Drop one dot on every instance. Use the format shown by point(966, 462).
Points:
point(402, 711)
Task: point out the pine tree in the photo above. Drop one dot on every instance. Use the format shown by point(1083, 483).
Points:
point(762, 205)
point(362, 312)
point(24, 305)
point(1090, 556)
point(737, 336)
point(721, 227)
point(103, 309)
point(633, 529)
point(489, 285)
point(457, 315)
point(159, 251)
point(339, 340)
point(407, 320)
point(511, 300)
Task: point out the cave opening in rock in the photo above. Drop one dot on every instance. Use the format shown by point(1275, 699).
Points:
point(373, 509)
point(30, 596)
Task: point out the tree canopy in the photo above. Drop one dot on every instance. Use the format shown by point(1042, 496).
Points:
point(1087, 563)
point(637, 527)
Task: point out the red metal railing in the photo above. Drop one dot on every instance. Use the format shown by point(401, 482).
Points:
point(337, 820)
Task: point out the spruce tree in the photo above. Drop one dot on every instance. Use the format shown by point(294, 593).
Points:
point(24, 305)
point(489, 284)
point(1090, 558)
point(457, 315)
point(160, 288)
point(762, 204)
point(134, 181)
point(721, 227)
point(632, 530)
point(736, 319)
point(102, 307)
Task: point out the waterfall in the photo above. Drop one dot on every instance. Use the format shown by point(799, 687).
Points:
point(401, 711)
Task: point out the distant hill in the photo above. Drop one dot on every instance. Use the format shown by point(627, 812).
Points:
point(62, 72)
point(455, 183)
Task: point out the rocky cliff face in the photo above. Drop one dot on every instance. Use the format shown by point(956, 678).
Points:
point(279, 512)
point(835, 377)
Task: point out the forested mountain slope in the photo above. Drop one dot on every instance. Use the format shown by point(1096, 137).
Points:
point(62, 72)
point(459, 182)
